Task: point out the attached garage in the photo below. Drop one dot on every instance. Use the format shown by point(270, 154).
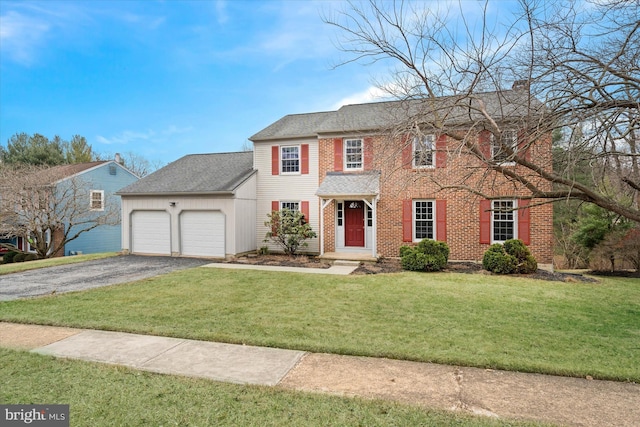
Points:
point(151, 232)
point(202, 233)
point(202, 205)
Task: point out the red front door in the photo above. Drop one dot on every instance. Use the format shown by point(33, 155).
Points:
point(354, 223)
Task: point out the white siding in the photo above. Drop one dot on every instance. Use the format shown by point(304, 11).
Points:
point(239, 216)
point(286, 187)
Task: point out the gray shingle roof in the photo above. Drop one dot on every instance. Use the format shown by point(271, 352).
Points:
point(337, 184)
point(453, 110)
point(196, 173)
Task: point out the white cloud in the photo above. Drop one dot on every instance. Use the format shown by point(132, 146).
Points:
point(21, 35)
point(371, 94)
point(221, 12)
point(129, 137)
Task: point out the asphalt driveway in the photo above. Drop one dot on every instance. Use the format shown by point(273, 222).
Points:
point(90, 274)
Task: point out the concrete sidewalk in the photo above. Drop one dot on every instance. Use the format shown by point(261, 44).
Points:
point(509, 395)
point(342, 269)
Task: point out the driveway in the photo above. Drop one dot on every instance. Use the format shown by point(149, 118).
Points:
point(90, 274)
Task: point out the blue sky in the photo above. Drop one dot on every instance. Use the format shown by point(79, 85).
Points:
point(166, 78)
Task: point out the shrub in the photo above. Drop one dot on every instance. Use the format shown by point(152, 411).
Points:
point(512, 257)
point(19, 257)
point(289, 230)
point(31, 257)
point(8, 257)
point(428, 255)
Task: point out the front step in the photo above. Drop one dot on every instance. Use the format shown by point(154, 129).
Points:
point(346, 263)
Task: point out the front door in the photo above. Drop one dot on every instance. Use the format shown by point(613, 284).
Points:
point(354, 223)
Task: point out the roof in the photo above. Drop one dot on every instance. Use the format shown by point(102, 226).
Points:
point(338, 184)
point(459, 109)
point(196, 174)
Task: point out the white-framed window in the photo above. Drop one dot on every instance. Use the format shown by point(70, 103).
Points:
point(503, 221)
point(423, 147)
point(353, 154)
point(508, 140)
point(292, 206)
point(424, 220)
point(47, 239)
point(97, 200)
point(290, 159)
point(340, 214)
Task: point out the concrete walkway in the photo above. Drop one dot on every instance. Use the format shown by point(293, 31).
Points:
point(510, 395)
point(343, 268)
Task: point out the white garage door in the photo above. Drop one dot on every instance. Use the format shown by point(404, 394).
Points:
point(151, 232)
point(202, 233)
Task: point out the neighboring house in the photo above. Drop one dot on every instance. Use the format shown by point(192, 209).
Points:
point(366, 196)
point(200, 205)
point(100, 180)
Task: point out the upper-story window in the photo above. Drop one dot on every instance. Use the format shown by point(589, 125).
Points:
point(500, 148)
point(97, 200)
point(353, 154)
point(290, 159)
point(423, 147)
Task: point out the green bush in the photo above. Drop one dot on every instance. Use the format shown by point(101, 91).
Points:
point(19, 257)
point(31, 257)
point(8, 257)
point(428, 255)
point(512, 257)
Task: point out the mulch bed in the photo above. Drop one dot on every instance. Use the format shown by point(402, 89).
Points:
point(390, 265)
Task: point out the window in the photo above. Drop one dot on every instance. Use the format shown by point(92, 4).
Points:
point(509, 139)
point(97, 200)
point(353, 154)
point(369, 216)
point(340, 214)
point(423, 219)
point(290, 159)
point(503, 220)
point(423, 151)
point(292, 206)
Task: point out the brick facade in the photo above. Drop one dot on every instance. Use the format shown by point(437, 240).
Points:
point(400, 182)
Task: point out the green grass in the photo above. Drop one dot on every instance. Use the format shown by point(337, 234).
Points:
point(102, 395)
point(573, 329)
point(16, 267)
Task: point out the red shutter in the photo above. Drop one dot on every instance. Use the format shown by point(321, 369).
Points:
point(275, 206)
point(337, 154)
point(305, 159)
point(523, 150)
point(407, 152)
point(275, 160)
point(441, 151)
point(441, 220)
point(304, 208)
point(524, 221)
point(407, 220)
point(368, 153)
point(484, 143)
point(485, 221)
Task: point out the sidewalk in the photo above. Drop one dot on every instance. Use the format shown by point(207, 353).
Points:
point(510, 395)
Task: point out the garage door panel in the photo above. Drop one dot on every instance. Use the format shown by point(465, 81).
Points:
point(202, 233)
point(151, 232)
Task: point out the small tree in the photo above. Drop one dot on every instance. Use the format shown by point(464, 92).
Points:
point(289, 230)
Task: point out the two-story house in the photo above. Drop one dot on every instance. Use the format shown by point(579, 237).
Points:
point(369, 181)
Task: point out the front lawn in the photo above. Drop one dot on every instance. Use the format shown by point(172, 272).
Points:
point(575, 329)
point(102, 395)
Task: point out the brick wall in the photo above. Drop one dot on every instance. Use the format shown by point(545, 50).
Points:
point(463, 228)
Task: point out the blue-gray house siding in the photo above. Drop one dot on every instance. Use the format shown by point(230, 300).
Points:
point(108, 177)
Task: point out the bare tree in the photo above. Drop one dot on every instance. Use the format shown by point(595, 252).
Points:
point(136, 163)
point(570, 64)
point(48, 208)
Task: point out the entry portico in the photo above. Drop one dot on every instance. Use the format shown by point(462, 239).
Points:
point(350, 223)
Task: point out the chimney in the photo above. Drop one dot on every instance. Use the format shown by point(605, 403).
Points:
point(118, 159)
point(520, 85)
